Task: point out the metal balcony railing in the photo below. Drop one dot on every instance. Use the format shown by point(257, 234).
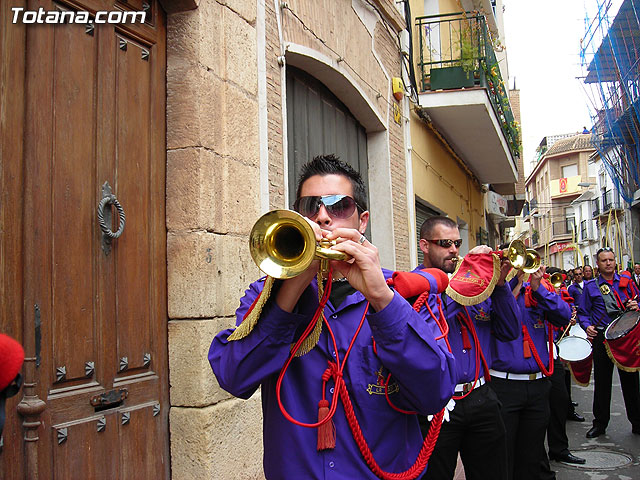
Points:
point(456, 47)
point(564, 227)
point(610, 201)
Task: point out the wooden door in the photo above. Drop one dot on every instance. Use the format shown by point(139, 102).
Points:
point(94, 313)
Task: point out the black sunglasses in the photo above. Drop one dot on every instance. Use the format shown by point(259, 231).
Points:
point(338, 206)
point(604, 249)
point(446, 243)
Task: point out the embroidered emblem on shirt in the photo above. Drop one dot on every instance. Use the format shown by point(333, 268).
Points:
point(482, 315)
point(378, 387)
point(539, 323)
point(604, 288)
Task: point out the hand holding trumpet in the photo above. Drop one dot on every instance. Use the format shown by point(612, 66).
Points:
point(288, 246)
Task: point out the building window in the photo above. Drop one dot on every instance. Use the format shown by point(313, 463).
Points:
point(422, 213)
point(570, 170)
point(320, 124)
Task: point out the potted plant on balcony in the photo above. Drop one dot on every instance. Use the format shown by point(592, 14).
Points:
point(461, 73)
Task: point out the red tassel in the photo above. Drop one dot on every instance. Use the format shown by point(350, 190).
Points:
point(326, 431)
point(526, 350)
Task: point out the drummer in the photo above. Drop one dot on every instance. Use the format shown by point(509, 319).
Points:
point(560, 405)
point(520, 371)
point(602, 301)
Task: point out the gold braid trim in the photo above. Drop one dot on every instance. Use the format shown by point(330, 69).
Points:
point(512, 273)
point(251, 320)
point(481, 297)
point(314, 337)
point(616, 363)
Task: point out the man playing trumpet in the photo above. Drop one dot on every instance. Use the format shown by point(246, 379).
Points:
point(376, 360)
point(475, 428)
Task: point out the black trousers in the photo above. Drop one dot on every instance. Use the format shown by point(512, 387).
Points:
point(475, 429)
point(525, 411)
point(559, 403)
point(602, 378)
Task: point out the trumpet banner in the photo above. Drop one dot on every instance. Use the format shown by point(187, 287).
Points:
point(474, 279)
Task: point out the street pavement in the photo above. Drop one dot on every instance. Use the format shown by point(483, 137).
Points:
point(615, 455)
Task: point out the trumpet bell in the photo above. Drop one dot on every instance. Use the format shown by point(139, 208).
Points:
point(532, 261)
point(517, 254)
point(282, 244)
point(556, 279)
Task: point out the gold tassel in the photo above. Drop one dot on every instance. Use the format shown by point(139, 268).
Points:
point(314, 337)
point(251, 320)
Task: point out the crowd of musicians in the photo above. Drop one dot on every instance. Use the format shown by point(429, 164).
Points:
point(370, 373)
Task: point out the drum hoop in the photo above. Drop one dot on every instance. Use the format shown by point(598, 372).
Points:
point(609, 336)
point(572, 339)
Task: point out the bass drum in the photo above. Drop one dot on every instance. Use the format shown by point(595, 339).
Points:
point(574, 349)
point(622, 325)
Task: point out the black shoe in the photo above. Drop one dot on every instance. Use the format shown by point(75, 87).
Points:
point(595, 432)
point(575, 417)
point(575, 404)
point(567, 458)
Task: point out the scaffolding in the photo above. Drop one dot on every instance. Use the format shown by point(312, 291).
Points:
point(610, 58)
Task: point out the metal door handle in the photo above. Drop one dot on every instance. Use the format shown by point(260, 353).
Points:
point(110, 200)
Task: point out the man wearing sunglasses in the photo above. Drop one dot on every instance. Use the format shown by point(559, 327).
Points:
point(371, 338)
point(475, 428)
point(602, 301)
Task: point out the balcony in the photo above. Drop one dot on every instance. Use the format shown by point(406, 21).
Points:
point(564, 228)
point(610, 201)
point(463, 94)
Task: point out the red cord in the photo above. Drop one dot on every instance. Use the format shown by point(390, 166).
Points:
point(478, 353)
point(536, 356)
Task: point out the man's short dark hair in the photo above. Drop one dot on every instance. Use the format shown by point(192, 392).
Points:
point(552, 270)
point(332, 165)
point(430, 223)
point(605, 249)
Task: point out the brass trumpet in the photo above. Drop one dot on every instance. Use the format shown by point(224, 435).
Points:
point(556, 279)
point(516, 253)
point(532, 261)
point(283, 245)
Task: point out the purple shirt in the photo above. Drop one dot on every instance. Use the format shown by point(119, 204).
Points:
point(509, 356)
point(498, 315)
point(591, 309)
point(575, 290)
point(423, 380)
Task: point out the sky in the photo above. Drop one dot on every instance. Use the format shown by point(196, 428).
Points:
point(543, 54)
